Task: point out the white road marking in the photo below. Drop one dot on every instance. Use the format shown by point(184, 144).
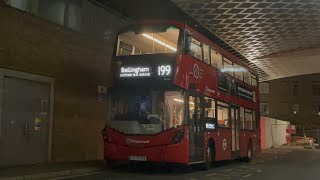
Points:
point(246, 175)
point(257, 170)
point(212, 174)
point(227, 170)
point(220, 178)
point(77, 175)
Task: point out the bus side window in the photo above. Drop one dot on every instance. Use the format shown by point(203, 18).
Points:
point(241, 118)
point(227, 66)
point(248, 119)
point(223, 115)
point(238, 72)
point(196, 49)
point(247, 77)
point(216, 59)
point(254, 80)
point(125, 49)
point(206, 53)
point(210, 107)
point(192, 114)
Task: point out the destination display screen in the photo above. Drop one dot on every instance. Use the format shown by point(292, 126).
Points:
point(143, 71)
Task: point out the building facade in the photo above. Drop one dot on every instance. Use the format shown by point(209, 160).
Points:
point(55, 60)
point(294, 99)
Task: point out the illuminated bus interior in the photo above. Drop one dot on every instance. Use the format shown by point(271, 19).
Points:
point(146, 40)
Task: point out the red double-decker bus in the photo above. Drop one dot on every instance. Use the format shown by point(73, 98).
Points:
point(179, 98)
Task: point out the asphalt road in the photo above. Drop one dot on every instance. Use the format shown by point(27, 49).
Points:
point(293, 164)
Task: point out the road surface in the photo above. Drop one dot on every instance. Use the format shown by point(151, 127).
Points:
point(293, 164)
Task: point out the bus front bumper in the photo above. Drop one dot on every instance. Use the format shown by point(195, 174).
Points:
point(173, 153)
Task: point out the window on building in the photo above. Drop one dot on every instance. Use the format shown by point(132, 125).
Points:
point(316, 109)
point(206, 54)
point(241, 117)
point(196, 49)
point(264, 109)
point(316, 88)
point(223, 115)
point(216, 59)
point(74, 19)
point(53, 10)
point(295, 109)
point(30, 6)
point(19, 4)
point(264, 88)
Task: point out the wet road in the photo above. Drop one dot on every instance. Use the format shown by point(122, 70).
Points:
point(293, 164)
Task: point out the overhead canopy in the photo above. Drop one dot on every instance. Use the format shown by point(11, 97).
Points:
point(282, 37)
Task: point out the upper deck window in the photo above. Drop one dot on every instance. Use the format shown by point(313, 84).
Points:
point(148, 39)
point(227, 67)
point(247, 77)
point(206, 54)
point(196, 49)
point(216, 59)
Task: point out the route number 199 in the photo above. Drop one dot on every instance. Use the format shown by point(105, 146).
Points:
point(164, 70)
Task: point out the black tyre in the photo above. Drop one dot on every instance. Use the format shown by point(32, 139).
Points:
point(249, 156)
point(210, 157)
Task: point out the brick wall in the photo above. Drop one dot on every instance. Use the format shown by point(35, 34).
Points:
point(78, 64)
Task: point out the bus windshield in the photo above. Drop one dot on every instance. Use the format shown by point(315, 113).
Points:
point(148, 39)
point(148, 113)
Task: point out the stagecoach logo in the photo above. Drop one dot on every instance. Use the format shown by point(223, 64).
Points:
point(136, 141)
point(208, 90)
point(196, 71)
point(224, 144)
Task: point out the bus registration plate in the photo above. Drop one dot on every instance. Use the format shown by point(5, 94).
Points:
point(138, 158)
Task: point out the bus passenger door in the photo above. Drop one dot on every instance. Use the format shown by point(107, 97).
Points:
point(196, 129)
point(235, 125)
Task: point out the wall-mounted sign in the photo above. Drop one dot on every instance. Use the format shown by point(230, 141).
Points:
point(128, 72)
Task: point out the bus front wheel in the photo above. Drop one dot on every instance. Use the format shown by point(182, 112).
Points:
point(210, 156)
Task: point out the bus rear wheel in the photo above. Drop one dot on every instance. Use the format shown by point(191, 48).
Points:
point(248, 158)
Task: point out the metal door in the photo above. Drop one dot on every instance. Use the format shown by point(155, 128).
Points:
point(235, 124)
point(196, 129)
point(25, 122)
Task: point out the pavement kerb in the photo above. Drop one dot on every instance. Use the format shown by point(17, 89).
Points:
point(55, 174)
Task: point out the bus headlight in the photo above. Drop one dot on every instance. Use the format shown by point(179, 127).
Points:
point(177, 138)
